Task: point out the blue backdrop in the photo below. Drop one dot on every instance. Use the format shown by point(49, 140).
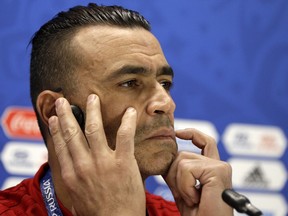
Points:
point(231, 64)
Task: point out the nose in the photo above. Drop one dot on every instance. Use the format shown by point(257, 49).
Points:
point(160, 102)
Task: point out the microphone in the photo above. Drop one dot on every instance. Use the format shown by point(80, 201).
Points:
point(240, 203)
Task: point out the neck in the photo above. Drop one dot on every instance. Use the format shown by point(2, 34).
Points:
point(59, 186)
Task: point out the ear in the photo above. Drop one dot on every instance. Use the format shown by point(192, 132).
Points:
point(46, 104)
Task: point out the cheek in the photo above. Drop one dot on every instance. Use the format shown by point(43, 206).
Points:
point(112, 112)
point(111, 129)
point(111, 122)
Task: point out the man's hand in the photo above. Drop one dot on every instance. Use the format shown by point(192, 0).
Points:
point(213, 174)
point(100, 181)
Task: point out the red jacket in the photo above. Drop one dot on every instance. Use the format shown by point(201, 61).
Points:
point(26, 199)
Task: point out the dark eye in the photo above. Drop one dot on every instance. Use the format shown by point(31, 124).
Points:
point(130, 84)
point(167, 85)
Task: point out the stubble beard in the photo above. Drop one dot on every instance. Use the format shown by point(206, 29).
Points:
point(152, 158)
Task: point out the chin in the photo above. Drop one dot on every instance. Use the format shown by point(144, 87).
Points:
point(158, 164)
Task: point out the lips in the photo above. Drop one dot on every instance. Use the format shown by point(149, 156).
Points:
point(166, 133)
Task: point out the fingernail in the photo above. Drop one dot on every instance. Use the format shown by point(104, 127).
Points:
point(91, 98)
point(130, 109)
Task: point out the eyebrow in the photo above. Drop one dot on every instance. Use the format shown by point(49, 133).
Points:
point(131, 69)
point(166, 70)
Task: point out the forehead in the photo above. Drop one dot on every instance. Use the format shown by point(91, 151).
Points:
point(110, 35)
point(114, 47)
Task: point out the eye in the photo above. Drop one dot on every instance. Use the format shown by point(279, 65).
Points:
point(130, 84)
point(167, 85)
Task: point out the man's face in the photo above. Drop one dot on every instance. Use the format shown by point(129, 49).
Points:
point(126, 68)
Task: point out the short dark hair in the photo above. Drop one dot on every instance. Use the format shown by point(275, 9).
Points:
point(53, 58)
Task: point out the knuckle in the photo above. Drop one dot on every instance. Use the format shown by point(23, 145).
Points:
point(81, 169)
point(119, 164)
point(69, 133)
point(209, 141)
point(180, 154)
point(92, 128)
point(182, 164)
point(225, 168)
point(124, 132)
point(67, 177)
point(226, 174)
point(54, 131)
point(183, 154)
point(228, 168)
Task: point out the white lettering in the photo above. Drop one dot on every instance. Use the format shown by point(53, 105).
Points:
point(49, 196)
point(24, 123)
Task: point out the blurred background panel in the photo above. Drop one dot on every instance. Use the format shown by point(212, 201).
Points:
point(231, 81)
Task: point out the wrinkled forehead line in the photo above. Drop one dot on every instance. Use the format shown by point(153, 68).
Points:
point(103, 34)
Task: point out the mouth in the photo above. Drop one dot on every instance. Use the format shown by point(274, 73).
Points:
point(162, 134)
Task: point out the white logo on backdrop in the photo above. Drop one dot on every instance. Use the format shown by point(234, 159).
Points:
point(20, 122)
point(254, 140)
point(258, 174)
point(23, 158)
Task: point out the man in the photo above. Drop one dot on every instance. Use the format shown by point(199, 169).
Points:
point(105, 62)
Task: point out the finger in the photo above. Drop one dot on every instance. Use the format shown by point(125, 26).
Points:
point(201, 140)
point(186, 181)
point(61, 150)
point(94, 129)
point(126, 133)
point(71, 131)
point(170, 178)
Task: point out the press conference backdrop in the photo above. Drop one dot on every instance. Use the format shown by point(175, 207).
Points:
point(231, 81)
